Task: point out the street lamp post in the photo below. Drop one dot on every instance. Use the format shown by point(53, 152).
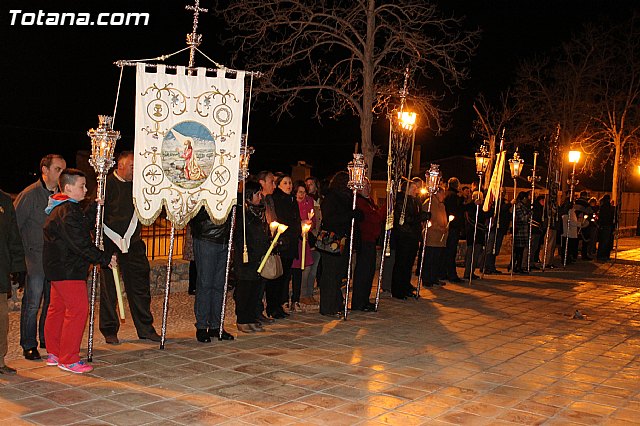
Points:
point(402, 134)
point(357, 170)
point(515, 165)
point(574, 157)
point(482, 163)
point(432, 180)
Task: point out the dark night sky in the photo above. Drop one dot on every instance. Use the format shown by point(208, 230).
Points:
point(56, 80)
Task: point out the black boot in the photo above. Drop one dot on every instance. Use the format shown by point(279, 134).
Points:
point(203, 336)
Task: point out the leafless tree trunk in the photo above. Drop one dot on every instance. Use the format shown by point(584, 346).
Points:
point(351, 55)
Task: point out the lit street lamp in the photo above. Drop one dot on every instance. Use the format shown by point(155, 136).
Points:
point(574, 157)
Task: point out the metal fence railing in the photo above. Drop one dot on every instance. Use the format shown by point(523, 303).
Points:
point(157, 237)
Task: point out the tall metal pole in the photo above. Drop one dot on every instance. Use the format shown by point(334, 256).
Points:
point(95, 268)
point(513, 227)
point(475, 230)
point(533, 196)
point(167, 288)
point(566, 245)
point(226, 270)
point(424, 249)
point(349, 278)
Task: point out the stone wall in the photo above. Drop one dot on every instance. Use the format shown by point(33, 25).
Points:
point(179, 276)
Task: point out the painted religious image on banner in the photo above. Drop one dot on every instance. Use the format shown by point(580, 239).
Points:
point(188, 153)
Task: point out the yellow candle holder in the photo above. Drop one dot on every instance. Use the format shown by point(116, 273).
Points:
point(280, 228)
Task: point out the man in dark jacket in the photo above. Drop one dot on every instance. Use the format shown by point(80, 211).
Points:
point(11, 261)
point(210, 247)
point(406, 232)
point(67, 253)
point(30, 205)
point(123, 237)
point(453, 203)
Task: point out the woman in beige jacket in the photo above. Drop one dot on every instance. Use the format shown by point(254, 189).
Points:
point(436, 241)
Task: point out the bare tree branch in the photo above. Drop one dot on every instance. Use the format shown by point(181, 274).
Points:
point(351, 55)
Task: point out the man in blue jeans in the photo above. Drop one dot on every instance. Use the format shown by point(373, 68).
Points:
point(30, 205)
point(210, 248)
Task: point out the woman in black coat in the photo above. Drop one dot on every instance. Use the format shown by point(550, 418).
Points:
point(287, 212)
point(248, 287)
point(336, 217)
point(407, 239)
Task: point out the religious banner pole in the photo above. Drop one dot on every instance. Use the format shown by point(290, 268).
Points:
point(103, 143)
point(193, 41)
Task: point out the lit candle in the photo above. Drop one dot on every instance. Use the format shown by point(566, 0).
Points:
point(273, 226)
point(280, 228)
point(451, 217)
point(305, 230)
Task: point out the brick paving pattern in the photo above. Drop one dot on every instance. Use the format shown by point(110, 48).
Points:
point(499, 352)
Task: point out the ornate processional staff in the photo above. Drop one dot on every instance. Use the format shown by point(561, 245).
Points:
point(533, 179)
point(551, 201)
point(357, 169)
point(498, 203)
point(433, 177)
point(103, 143)
point(515, 164)
point(482, 163)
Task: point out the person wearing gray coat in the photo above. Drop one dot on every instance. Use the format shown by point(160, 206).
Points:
point(29, 206)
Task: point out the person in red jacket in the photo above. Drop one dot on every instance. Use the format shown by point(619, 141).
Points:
point(370, 228)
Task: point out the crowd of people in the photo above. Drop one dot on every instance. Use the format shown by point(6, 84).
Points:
point(47, 247)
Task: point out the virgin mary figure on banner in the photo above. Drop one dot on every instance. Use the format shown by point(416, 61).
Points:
point(187, 145)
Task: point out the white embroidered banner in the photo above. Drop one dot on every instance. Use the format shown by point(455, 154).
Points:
point(187, 144)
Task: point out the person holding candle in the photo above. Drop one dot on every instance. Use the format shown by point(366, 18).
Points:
point(287, 213)
point(267, 182)
point(299, 274)
point(248, 287)
point(123, 236)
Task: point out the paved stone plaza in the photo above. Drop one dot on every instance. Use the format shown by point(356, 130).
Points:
point(501, 352)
